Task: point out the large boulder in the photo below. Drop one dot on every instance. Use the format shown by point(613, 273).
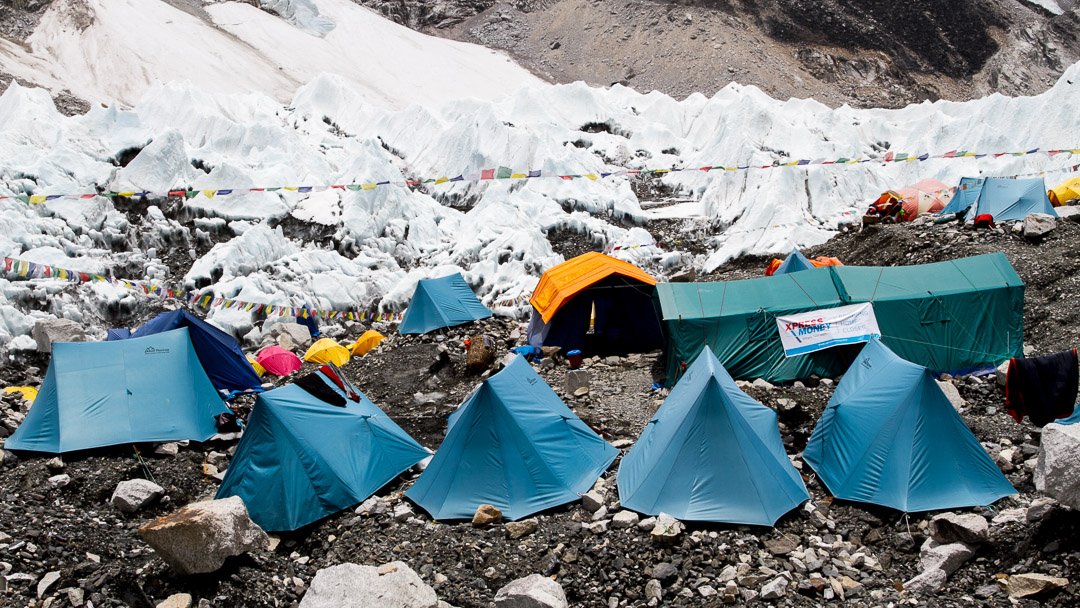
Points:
point(297, 335)
point(533, 591)
point(56, 330)
point(1026, 585)
point(944, 557)
point(1038, 225)
point(134, 494)
point(392, 585)
point(967, 528)
point(1057, 470)
point(199, 537)
point(952, 394)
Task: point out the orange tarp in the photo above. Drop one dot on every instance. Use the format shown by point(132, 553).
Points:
point(818, 262)
point(561, 283)
point(926, 196)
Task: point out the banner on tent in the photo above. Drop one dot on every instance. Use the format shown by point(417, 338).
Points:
point(819, 329)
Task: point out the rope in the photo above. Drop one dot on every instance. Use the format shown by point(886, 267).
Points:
point(145, 466)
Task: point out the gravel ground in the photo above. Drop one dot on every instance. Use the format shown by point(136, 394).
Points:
point(418, 380)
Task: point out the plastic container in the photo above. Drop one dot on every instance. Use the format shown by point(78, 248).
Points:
point(574, 357)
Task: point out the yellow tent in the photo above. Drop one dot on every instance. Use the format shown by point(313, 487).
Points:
point(327, 351)
point(366, 342)
point(1065, 191)
point(28, 392)
point(259, 369)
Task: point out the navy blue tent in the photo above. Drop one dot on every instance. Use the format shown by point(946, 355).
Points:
point(108, 393)
point(301, 458)
point(1012, 199)
point(890, 437)
point(966, 195)
point(121, 333)
point(439, 303)
point(711, 453)
point(515, 445)
point(219, 352)
point(794, 262)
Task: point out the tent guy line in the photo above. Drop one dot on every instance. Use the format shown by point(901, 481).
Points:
point(507, 173)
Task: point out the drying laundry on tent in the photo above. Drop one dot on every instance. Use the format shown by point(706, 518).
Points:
point(1042, 388)
point(439, 303)
point(796, 261)
point(278, 361)
point(890, 437)
point(307, 453)
point(512, 444)
point(924, 314)
point(326, 350)
point(1066, 191)
point(711, 453)
point(219, 352)
point(905, 204)
point(97, 394)
point(596, 304)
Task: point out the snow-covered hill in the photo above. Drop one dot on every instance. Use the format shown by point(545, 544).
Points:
point(111, 51)
point(375, 244)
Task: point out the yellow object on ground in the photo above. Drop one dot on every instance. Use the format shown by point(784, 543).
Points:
point(259, 369)
point(28, 392)
point(561, 283)
point(366, 342)
point(1065, 191)
point(327, 351)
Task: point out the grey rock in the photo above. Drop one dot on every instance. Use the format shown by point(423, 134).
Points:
point(1002, 373)
point(576, 379)
point(599, 527)
point(134, 494)
point(592, 501)
point(625, 519)
point(177, 600)
point(666, 530)
point(46, 582)
point(53, 464)
point(665, 572)
point(200, 536)
point(946, 557)
point(1038, 225)
point(392, 585)
point(967, 528)
point(402, 512)
point(170, 448)
point(776, 588)
point(486, 514)
point(952, 394)
point(518, 529)
point(762, 383)
point(1026, 585)
point(533, 591)
point(1057, 471)
point(1040, 508)
point(59, 481)
point(298, 334)
point(372, 506)
point(56, 330)
point(646, 524)
point(930, 581)
point(653, 591)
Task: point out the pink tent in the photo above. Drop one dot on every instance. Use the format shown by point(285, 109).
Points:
point(926, 196)
point(278, 361)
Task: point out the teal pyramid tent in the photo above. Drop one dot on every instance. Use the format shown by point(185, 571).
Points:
point(794, 262)
point(711, 453)
point(1012, 199)
point(515, 445)
point(301, 458)
point(965, 196)
point(439, 303)
point(890, 437)
point(107, 393)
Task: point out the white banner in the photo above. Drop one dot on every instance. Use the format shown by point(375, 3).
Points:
point(819, 329)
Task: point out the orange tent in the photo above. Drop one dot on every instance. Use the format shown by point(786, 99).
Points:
point(926, 196)
point(561, 283)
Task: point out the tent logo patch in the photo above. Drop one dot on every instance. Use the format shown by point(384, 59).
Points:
point(150, 350)
point(866, 363)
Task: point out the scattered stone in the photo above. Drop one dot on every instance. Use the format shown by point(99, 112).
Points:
point(781, 546)
point(1002, 373)
point(576, 379)
point(199, 537)
point(1040, 509)
point(647, 524)
point(599, 527)
point(59, 481)
point(622, 444)
point(666, 530)
point(707, 591)
point(297, 334)
point(581, 392)
point(77, 597)
point(1057, 472)
point(533, 591)
point(372, 506)
point(46, 582)
point(930, 581)
point(47, 331)
point(134, 494)
point(592, 501)
point(393, 585)
point(774, 589)
point(177, 600)
point(967, 528)
point(952, 394)
point(402, 512)
point(665, 572)
point(518, 529)
point(486, 514)
point(762, 383)
point(944, 557)
point(54, 464)
point(1027, 585)
point(625, 519)
point(1038, 225)
point(654, 592)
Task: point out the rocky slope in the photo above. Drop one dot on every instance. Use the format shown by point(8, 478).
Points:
point(867, 54)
